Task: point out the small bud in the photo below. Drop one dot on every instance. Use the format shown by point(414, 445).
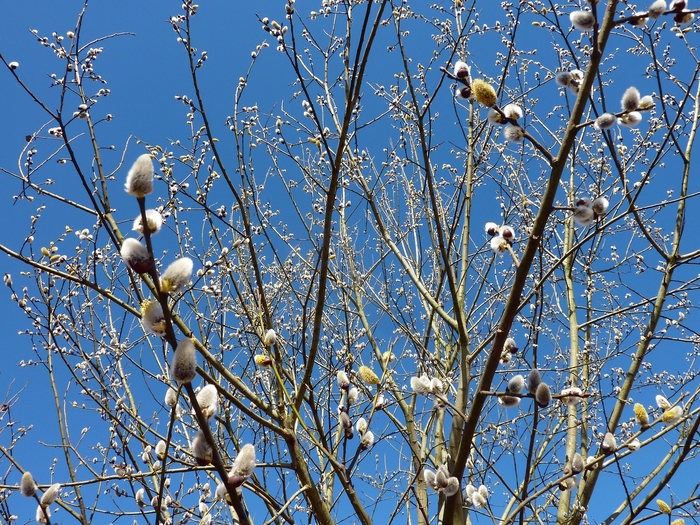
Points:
point(184, 367)
point(176, 276)
point(208, 400)
point(8, 279)
point(13, 65)
point(51, 495)
point(484, 93)
point(543, 395)
point(641, 415)
point(582, 20)
point(136, 255)
point(139, 181)
point(27, 485)
point(368, 376)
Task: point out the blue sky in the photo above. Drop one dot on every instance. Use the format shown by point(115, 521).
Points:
point(145, 71)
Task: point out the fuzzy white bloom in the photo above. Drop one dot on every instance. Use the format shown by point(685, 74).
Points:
point(639, 22)
point(361, 425)
point(571, 396)
point(582, 20)
point(509, 401)
point(657, 9)
point(270, 338)
point(343, 380)
point(42, 514)
point(516, 384)
point(161, 449)
point(154, 220)
point(677, 5)
point(135, 255)
point(421, 385)
point(563, 79)
point(499, 244)
point(605, 121)
point(140, 494)
point(683, 17)
point(462, 71)
point(27, 485)
point(176, 276)
point(672, 415)
point(491, 228)
point(510, 345)
point(208, 400)
point(452, 486)
point(646, 102)
point(206, 520)
point(243, 466)
point(441, 478)
point(463, 93)
point(513, 111)
point(506, 232)
point(609, 444)
point(600, 205)
point(436, 386)
point(171, 397)
point(429, 477)
point(630, 100)
point(634, 445)
point(543, 395)
point(662, 402)
point(631, 119)
point(478, 500)
point(367, 439)
point(51, 495)
point(533, 381)
point(380, 402)
point(184, 367)
point(139, 181)
point(201, 450)
point(583, 215)
point(495, 117)
point(221, 492)
point(353, 394)
point(13, 65)
point(577, 464)
point(152, 317)
point(513, 133)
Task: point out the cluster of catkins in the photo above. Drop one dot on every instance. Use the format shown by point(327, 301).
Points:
point(441, 481)
point(533, 383)
point(501, 236)
point(351, 395)
point(588, 210)
point(585, 20)
point(183, 369)
point(632, 103)
point(28, 489)
point(426, 386)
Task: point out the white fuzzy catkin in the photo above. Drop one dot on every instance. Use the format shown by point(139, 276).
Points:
point(184, 367)
point(50, 495)
point(243, 466)
point(171, 397)
point(421, 385)
point(208, 400)
point(516, 384)
point(605, 121)
point(139, 181)
point(27, 485)
point(201, 450)
point(533, 381)
point(543, 395)
point(630, 119)
point(657, 9)
point(176, 276)
point(154, 220)
point(513, 133)
point(135, 255)
point(42, 514)
point(583, 215)
point(630, 99)
point(152, 317)
point(582, 20)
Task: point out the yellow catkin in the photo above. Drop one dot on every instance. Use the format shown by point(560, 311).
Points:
point(640, 413)
point(368, 376)
point(663, 506)
point(484, 93)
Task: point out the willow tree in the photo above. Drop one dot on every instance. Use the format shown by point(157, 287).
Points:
point(435, 272)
